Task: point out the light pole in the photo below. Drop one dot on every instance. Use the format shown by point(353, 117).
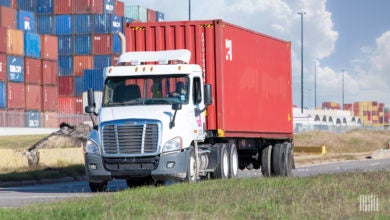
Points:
point(315, 84)
point(189, 10)
point(342, 89)
point(301, 13)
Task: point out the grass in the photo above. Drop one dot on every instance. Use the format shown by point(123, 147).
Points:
point(318, 197)
point(19, 142)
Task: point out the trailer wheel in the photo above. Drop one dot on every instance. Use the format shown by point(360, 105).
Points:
point(286, 159)
point(222, 170)
point(98, 187)
point(233, 160)
point(266, 159)
point(276, 168)
point(191, 167)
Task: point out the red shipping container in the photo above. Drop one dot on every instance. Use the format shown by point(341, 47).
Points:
point(119, 8)
point(250, 72)
point(88, 6)
point(49, 120)
point(65, 86)
point(82, 62)
point(49, 47)
point(102, 44)
point(3, 67)
point(49, 72)
point(67, 105)
point(33, 70)
point(63, 6)
point(7, 17)
point(3, 40)
point(15, 95)
point(49, 98)
point(12, 118)
point(79, 105)
point(33, 97)
point(151, 15)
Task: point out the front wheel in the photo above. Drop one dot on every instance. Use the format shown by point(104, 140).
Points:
point(191, 167)
point(98, 187)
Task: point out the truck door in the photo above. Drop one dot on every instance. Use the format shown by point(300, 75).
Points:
point(200, 123)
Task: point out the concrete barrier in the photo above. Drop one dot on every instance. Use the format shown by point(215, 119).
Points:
point(321, 150)
point(11, 159)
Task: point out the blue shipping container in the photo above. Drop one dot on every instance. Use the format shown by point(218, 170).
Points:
point(65, 45)
point(63, 24)
point(45, 7)
point(15, 68)
point(82, 24)
point(78, 85)
point(28, 5)
point(101, 61)
point(3, 95)
point(6, 3)
point(45, 24)
point(93, 78)
point(108, 6)
point(33, 119)
point(26, 21)
point(82, 44)
point(32, 44)
point(65, 65)
point(116, 44)
point(106, 23)
point(160, 16)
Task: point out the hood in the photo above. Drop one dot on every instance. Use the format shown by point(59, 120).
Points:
point(159, 112)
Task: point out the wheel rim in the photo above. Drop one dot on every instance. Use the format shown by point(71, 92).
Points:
point(225, 161)
point(192, 170)
point(234, 163)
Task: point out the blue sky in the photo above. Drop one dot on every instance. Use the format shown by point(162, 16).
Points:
point(350, 35)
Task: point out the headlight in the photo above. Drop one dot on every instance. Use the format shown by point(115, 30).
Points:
point(173, 144)
point(91, 147)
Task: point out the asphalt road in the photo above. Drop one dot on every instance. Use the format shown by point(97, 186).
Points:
point(24, 195)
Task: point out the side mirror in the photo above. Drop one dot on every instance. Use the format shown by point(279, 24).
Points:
point(208, 100)
point(90, 108)
point(176, 106)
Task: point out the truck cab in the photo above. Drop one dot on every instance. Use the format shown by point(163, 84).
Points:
point(152, 115)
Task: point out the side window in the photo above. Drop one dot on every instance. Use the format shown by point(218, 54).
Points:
point(196, 91)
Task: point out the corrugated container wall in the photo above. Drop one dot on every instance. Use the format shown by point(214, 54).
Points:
point(15, 95)
point(82, 44)
point(151, 15)
point(28, 5)
point(259, 67)
point(50, 98)
point(49, 119)
point(33, 70)
point(88, 6)
point(6, 3)
point(107, 23)
point(45, 24)
point(65, 44)
point(15, 68)
point(67, 105)
point(82, 24)
point(33, 97)
point(108, 6)
point(3, 95)
point(93, 78)
point(63, 7)
point(15, 42)
point(7, 17)
point(119, 8)
point(137, 13)
point(32, 44)
point(65, 65)
point(66, 86)
point(102, 44)
point(101, 61)
point(3, 39)
point(45, 7)
point(49, 47)
point(160, 16)
point(82, 62)
point(63, 24)
point(26, 21)
point(33, 119)
point(3, 67)
point(49, 72)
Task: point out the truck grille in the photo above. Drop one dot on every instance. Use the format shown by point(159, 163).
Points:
point(130, 139)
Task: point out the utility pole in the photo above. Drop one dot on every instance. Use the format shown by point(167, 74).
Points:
point(301, 13)
point(315, 84)
point(189, 10)
point(342, 89)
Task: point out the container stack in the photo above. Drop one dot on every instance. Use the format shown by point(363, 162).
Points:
point(371, 113)
point(28, 61)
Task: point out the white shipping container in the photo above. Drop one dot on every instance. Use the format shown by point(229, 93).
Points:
point(137, 13)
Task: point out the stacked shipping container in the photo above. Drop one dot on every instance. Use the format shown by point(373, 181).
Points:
point(27, 87)
point(51, 51)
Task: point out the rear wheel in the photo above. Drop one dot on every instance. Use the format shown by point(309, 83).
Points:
point(222, 170)
point(98, 187)
point(286, 159)
point(233, 160)
point(266, 155)
point(191, 167)
point(276, 159)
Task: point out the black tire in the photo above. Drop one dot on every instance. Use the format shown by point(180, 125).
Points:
point(191, 167)
point(222, 170)
point(132, 183)
point(98, 187)
point(276, 168)
point(266, 159)
point(233, 160)
point(286, 159)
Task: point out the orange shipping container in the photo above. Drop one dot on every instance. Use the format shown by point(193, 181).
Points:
point(7, 17)
point(49, 47)
point(67, 105)
point(15, 42)
point(82, 62)
point(33, 70)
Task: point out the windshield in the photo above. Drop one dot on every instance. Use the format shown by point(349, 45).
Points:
point(146, 90)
